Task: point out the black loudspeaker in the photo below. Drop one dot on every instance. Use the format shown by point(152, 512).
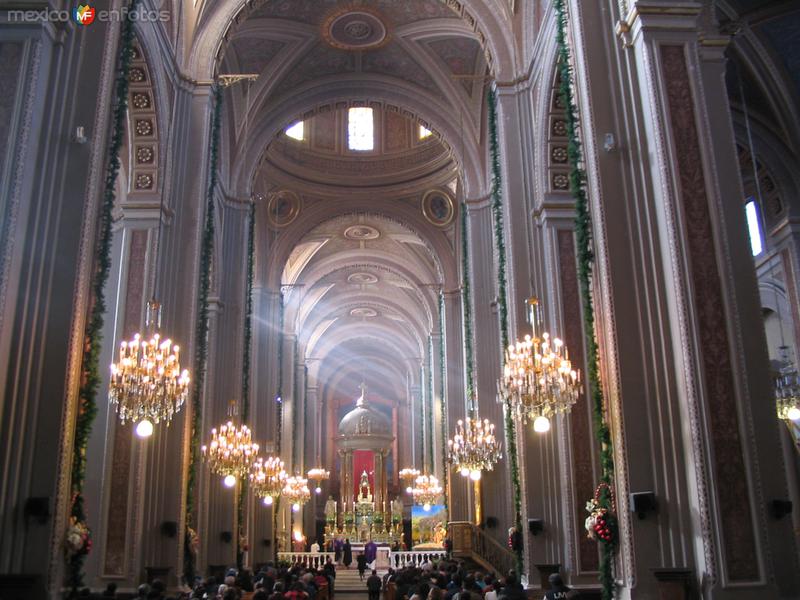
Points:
point(491, 522)
point(226, 537)
point(266, 542)
point(535, 526)
point(38, 509)
point(169, 529)
point(780, 508)
point(643, 503)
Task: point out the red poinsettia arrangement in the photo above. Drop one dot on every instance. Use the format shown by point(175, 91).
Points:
point(601, 524)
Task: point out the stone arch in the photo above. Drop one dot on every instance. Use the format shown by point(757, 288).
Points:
point(341, 92)
point(314, 215)
point(487, 18)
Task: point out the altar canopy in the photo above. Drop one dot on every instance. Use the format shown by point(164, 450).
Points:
point(364, 441)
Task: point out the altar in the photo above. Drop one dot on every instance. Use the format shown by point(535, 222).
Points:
point(363, 511)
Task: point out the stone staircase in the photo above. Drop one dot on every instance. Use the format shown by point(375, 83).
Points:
point(347, 580)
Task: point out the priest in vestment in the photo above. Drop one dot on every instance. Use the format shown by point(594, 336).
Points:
point(370, 552)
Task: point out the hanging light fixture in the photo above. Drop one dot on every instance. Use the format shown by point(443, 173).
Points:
point(296, 492)
point(426, 491)
point(267, 478)
point(474, 448)
point(231, 451)
point(318, 475)
point(147, 383)
point(538, 376)
point(408, 476)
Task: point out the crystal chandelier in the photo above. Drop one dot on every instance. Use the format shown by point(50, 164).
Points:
point(318, 475)
point(538, 376)
point(296, 492)
point(426, 491)
point(787, 389)
point(267, 478)
point(474, 448)
point(147, 383)
point(231, 452)
point(407, 476)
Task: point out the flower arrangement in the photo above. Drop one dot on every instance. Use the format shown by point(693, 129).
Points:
point(601, 524)
point(78, 540)
point(349, 518)
point(193, 541)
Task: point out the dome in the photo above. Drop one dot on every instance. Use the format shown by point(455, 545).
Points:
point(364, 420)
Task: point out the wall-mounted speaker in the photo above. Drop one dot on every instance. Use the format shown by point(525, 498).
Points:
point(37, 508)
point(226, 537)
point(169, 529)
point(643, 503)
point(780, 508)
point(266, 542)
point(535, 526)
point(491, 522)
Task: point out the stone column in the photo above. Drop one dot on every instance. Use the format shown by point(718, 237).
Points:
point(454, 360)
point(486, 343)
point(684, 377)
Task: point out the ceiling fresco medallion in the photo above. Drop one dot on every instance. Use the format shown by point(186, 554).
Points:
point(362, 278)
point(363, 312)
point(355, 29)
point(283, 208)
point(361, 232)
point(437, 207)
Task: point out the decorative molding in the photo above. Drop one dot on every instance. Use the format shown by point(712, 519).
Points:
point(727, 456)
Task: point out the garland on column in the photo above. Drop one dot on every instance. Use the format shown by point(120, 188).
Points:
point(443, 407)
point(502, 303)
point(585, 257)
point(201, 337)
point(296, 407)
point(241, 542)
point(466, 307)
point(429, 394)
point(78, 539)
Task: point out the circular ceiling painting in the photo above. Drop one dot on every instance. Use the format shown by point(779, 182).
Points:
point(283, 208)
point(362, 278)
point(437, 207)
point(363, 312)
point(354, 29)
point(361, 232)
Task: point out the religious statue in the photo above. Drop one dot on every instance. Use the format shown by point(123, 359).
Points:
point(397, 510)
point(330, 509)
point(364, 493)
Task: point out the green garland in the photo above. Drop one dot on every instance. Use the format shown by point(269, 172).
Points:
point(585, 258)
point(93, 334)
point(201, 336)
point(443, 408)
point(429, 394)
point(502, 301)
point(466, 307)
point(247, 349)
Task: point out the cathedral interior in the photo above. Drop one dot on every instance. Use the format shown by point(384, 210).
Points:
point(342, 218)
